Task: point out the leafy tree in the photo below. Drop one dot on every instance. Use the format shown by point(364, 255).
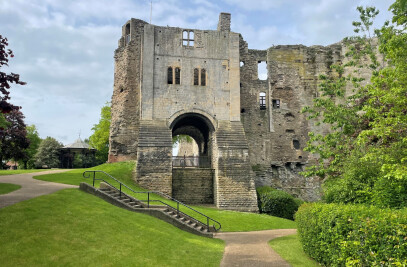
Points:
point(100, 137)
point(13, 139)
point(35, 140)
point(3, 122)
point(364, 157)
point(6, 79)
point(177, 139)
point(84, 160)
point(48, 153)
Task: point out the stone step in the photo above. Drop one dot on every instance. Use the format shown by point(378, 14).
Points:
point(179, 219)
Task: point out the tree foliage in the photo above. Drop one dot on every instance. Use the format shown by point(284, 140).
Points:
point(364, 157)
point(6, 79)
point(100, 137)
point(84, 160)
point(13, 139)
point(48, 153)
point(177, 139)
point(31, 150)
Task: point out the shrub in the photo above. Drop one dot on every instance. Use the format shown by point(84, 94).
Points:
point(48, 153)
point(353, 235)
point(277, 203)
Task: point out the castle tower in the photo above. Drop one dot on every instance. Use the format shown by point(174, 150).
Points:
point(171, 81)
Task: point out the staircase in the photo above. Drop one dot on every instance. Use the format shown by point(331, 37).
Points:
point(153, 133)
point(231, 135)
point(163, 211)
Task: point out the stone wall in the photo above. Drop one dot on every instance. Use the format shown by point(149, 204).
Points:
point(251, 142)
point(277, 134)
point(188, 149)
point(154, 156)
point(193, 186)
point(126, 95)
point(235, 187)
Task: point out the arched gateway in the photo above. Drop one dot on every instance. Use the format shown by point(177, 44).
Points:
point(193, 176)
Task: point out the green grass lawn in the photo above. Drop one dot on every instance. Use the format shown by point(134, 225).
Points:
point(120, 170)
point(11, 172)
point(7, 188)
point(290, 249)
point(231, 221)
point(78, 229)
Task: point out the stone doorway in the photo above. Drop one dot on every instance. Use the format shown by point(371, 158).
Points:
point(192, 173)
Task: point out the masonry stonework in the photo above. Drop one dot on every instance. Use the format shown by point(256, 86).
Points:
point(205, 84)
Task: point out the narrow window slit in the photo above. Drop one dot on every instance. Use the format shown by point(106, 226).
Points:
point(169, 74)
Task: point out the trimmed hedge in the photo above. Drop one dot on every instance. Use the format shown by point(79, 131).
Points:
point(353, 235)
point(277, 203)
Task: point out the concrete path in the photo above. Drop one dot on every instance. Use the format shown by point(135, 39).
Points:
point(30, 187)
point(252, 249)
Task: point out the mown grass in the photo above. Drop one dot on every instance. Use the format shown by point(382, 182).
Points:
point(231, 221)
point(74, 228)
point(119, 170)
point(11, 172)
point(7, 188)
point(290, 249)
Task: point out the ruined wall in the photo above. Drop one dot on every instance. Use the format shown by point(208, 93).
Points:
point(251, 142)
point(126, 94)
point(193, 186)
point(277, 134)
point(187, 149)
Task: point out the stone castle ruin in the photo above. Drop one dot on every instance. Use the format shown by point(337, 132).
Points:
point(204, 83)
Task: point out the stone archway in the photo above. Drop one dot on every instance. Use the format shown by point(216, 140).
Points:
point(193, 182)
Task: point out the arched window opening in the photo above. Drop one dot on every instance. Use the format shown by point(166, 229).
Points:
point(127, 34)
point(188, 38)
point(196, 76)
point(203, 77)
point(169, 75)
point(177, 76)
point(241, 63)
point(199, 77)
point(185, 38)
point(262, 100)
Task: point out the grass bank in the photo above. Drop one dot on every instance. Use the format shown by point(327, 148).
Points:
point(7, 188)
point(290, 249)
point(74, 228)
point(231, 221)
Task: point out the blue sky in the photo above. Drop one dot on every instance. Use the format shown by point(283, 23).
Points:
point(64, 49)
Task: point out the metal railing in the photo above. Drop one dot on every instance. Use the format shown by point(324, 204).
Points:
point(191, 162)
point(215, 224)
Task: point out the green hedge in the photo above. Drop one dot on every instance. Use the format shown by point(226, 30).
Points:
point(277, 203)
point(353, 235)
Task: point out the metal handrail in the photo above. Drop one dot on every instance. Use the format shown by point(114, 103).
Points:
point(214, 224)
point(191, 161)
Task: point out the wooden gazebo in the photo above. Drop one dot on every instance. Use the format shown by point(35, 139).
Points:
point(69, 152)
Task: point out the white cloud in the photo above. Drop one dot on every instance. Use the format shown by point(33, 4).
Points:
point(256, 4)
point(64, 49)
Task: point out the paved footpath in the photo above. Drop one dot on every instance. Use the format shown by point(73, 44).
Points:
point(252, 248)
point(30, 187)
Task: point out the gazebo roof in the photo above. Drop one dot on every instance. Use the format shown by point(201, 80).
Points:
point(78, 144)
